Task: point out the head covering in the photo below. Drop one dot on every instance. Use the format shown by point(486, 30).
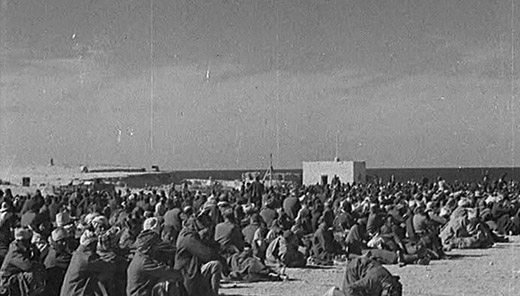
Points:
point(287, 234)
point(430, 206)
point(464, 203)
point(89, 217)
point(87, 238)
point(99, 221)
point(228, 213)
point(223, 204)
point(22, 233)
point(151, 224)
point(4, 208)
point(255, 218)
point(444, 212)
point(146, 240)
point(59, 234)
point(62, 219)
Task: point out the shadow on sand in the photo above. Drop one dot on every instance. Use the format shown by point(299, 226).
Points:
point(462, 256)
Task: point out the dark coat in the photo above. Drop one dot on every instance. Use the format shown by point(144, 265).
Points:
point(229, 236)
point(249, 232)
point(56, 264)
point(144, 272)
point(172, 218)
point(191, 254)
point(367, 277)
point(269, 215)
point(19, 259)
point(85, 270)
point(291, 206)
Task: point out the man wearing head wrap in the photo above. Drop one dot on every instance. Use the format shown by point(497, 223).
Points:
point(86, 269)
point(100, 224)
point(146, 272)
point(197, 260)
point(151, 224)
point(21, 272)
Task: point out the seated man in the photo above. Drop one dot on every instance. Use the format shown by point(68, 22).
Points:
point(57, 260)
point(228, 234)
point(86, 269)
point(245, 267)
point(366, 277)
point(324, 247)
point(146, 273)
point(466, 232)
point(283, 251)
point(196, 259)
point(21, 273)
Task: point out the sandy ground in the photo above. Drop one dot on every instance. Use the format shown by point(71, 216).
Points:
point(486, 272)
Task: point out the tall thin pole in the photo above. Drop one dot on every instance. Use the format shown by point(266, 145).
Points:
point(152, 66)
point(337, 143)
point(271, 170)
point(512, 105)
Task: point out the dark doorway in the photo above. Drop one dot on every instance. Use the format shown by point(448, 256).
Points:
point(324, 180)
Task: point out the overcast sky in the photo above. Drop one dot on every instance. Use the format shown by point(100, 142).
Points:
point(397, 83)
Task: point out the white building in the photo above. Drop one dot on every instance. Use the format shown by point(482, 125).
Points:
point(322, 172)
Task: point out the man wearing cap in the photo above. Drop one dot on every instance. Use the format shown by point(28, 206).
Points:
point(85, 270)
point(57, 260)
point(21, 272)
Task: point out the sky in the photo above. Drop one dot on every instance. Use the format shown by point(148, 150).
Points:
point(222, 84)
